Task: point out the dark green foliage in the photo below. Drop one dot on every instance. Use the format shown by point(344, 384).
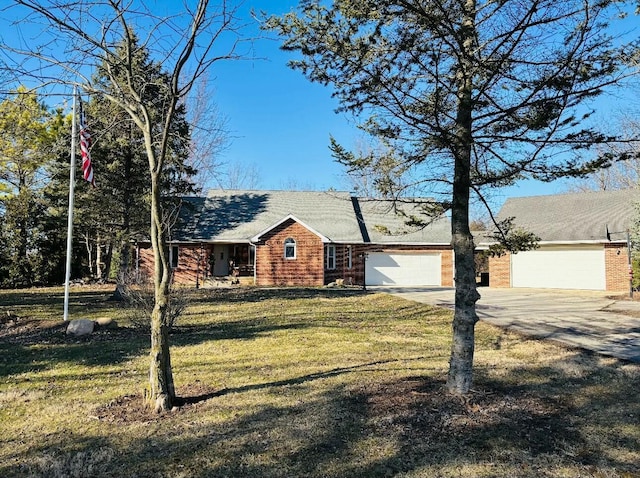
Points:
point(120, 208)
point(529, 65)
point(513, 239)
point(110, 216)
point(29, 133)
point(34, 212)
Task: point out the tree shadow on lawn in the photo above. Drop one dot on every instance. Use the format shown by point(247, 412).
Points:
point(47, 297)
point(259, 294)
point(381, 429)
point(73, 455)
point(376, 429)
point(231, 330)
point(34, 347)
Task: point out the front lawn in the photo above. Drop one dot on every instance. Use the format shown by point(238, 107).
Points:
point(303, 383)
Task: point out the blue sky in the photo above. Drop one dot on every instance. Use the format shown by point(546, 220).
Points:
point(281, 123)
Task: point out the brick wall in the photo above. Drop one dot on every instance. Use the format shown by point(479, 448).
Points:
point(309, 267)
point(616, 263)
point(145, 262)
point(350, 275)
point(191, 264)
point(500, 271)
point(306, 269)
point(447, 268)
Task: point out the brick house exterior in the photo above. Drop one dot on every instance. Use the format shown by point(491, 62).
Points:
point(617, 266)
point(583, 242)
point(615, 260)
point(314, 238)
point(305, 267)
point(290, 238)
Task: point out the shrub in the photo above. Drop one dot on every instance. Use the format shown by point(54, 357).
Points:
point(139, 300)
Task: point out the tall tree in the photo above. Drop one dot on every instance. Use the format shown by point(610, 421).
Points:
point(82, 34)
point(209, 134)
point(121, 205)
point(469, 94)
point(28, 132)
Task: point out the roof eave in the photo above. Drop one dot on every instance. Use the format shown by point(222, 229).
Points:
point(322, 237)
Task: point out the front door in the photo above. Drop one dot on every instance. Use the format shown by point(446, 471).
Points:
point(221, 260)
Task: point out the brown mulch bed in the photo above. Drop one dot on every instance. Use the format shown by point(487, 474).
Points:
point(132, 408)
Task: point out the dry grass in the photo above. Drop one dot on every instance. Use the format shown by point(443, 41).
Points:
point(304, 383)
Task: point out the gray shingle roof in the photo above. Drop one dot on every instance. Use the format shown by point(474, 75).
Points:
point(239, 215)
point(386, 227)
point(574, 217)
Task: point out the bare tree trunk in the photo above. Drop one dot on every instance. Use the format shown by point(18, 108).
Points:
point(162, 394)
point(465, 317)
point(123, 277)
point(98, 257)
point(162, 390)
point(87, 243)
point(107, 259)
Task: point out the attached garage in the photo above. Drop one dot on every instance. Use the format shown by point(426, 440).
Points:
point(404, 269)
point(560, 268)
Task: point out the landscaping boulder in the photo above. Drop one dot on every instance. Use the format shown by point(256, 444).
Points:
point(79, 327)
point(105, 322)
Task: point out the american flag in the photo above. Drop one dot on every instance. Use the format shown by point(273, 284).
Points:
point(85, 144)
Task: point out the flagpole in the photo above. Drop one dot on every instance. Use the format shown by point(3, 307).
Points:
point(72, 184)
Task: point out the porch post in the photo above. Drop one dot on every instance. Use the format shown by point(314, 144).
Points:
point(255, 262)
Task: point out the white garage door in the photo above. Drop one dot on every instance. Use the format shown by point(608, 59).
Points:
point(403, 269)
point(559, 268)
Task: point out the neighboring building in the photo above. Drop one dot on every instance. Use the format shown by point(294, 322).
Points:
point(583, 242)
point(304, 238)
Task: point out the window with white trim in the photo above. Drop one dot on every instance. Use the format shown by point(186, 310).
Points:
point(331, 256)
point(289, 248)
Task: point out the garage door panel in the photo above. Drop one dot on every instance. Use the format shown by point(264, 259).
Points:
point(559, 269)
point(403, 269)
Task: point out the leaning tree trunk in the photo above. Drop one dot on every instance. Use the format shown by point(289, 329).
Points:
point(161, 395)
point(465, 317)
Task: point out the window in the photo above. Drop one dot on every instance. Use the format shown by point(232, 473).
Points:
point(173, 256)
point(349, 258)
point(289, 249)
point(331, 257)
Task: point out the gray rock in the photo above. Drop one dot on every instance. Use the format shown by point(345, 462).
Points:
point(79, 327)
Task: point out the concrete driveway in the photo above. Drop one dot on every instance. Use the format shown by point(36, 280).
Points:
point(584, 319)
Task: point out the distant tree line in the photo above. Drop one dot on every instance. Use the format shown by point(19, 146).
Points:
point(34, 183)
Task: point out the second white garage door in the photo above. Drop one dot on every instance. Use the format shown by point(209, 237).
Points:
point(560, 268)
point(403, 269)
